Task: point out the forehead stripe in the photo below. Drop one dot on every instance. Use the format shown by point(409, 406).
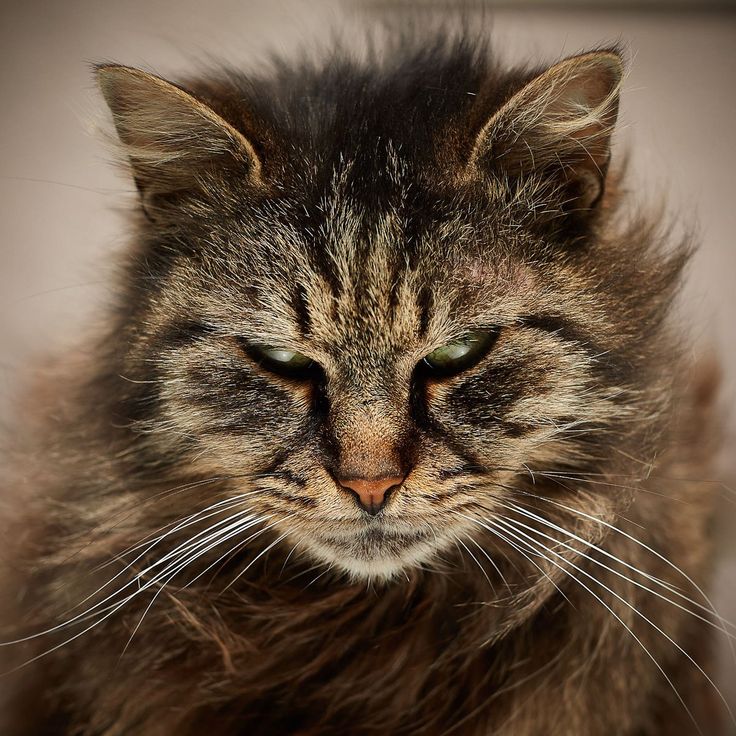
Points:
point(424, 303)
point(300, 305)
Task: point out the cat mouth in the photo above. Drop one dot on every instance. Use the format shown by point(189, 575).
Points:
point(375, 530)
point(374, 550)
point(373, 535)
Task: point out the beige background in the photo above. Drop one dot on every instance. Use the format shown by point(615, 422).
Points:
point(60, 198)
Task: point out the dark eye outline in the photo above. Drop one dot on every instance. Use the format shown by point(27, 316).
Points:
point(486, 338)
point(305, 371)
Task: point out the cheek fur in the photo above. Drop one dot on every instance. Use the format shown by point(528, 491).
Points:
point(229, 409)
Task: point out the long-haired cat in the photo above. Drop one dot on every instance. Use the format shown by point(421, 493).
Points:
point(382, 432)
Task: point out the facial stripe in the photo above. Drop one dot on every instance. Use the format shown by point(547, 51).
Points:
point(300, 305)
point(425, 299)
point(291, 498)
point(603, 361)
point(564, 328)
point(183, 332)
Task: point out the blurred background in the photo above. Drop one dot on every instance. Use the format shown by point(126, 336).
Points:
point(63, 203)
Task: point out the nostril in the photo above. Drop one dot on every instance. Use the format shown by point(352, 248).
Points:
point(371, 493)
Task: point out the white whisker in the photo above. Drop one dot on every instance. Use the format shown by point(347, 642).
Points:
point(496, 532)
point(473, 557)
point(616, 616)
point(709, 609)
point(515, 525)
point(612, 570)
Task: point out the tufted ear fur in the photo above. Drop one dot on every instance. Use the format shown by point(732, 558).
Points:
point(171, 138)
point(558, 125)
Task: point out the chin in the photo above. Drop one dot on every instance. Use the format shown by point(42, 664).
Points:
point(375, 553)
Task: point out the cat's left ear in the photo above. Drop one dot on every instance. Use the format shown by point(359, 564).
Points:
point(558, 125)
point(171, 138)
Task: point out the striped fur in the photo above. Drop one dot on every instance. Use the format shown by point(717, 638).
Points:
point(365, 213)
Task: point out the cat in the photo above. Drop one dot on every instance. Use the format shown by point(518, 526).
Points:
point(382, 431)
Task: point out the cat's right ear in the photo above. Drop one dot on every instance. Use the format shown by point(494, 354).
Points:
point(557, 128)
point(170, 137)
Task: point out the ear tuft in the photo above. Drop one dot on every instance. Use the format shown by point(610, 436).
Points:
point(558, 125)
point(170, 137)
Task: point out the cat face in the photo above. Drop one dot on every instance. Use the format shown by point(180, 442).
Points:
point(377, 344)
point(364, 402)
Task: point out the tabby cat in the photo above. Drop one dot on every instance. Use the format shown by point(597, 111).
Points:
point(382, 431)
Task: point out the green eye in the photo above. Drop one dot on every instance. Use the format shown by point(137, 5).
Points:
point(282, 360)
point(461, 354)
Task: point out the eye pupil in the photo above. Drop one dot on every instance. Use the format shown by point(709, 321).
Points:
point(461, 354)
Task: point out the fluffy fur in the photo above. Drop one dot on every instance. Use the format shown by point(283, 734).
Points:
point(186, 561)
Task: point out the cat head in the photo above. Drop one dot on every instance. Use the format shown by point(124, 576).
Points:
point(384, 299)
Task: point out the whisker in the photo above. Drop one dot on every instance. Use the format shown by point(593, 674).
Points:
point(495, 566)
point(288, 557)
point(317, 577)
point(178, 526)
point(234, 549)
point(217, 539)
point(182, 523)
point(182, 564)
point(514, 525)
point(170, 570)
point(616, 572)
point(480, 567)
point(138, 503)
point(621, 621)
point(710, 608)
point(183, 548)
point(512, 545)
point(257, 557)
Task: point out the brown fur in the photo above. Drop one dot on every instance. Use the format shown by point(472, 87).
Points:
point(363, 217)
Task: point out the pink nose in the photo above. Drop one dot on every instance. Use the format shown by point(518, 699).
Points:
point(371, 493)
